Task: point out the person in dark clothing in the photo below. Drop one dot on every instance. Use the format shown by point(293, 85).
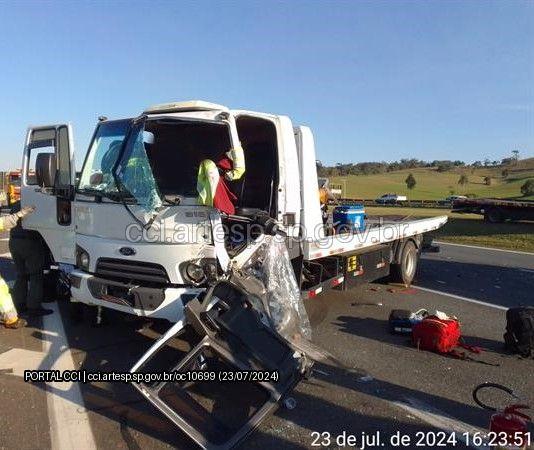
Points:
point(28, 253)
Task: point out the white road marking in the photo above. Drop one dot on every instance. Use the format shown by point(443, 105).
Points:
point(493, 249)
point(440, 420)
point(17, 360)
point(69, 422)
point(459, 297)
point(4, 239)
point(5, 255)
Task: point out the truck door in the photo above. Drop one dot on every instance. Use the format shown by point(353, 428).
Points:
point(236, 372)
point(48, 179)
point(272, 172)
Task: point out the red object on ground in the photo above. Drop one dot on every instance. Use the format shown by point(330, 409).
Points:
point(409, 291)
point(513, 423)
point(440, 336)
point(436, 335)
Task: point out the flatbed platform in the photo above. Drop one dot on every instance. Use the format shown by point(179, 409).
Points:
point(374, 234)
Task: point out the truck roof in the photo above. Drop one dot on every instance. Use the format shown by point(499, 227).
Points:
point(191, 105)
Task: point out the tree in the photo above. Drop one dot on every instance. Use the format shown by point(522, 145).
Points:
point(507, 161)
point(321, 171)
point(487, 181)
point(410, 181)
point(516, 154)
point(463, 180)
point(528, 187)
point(444, 166)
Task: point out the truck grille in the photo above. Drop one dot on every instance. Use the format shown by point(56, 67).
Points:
point(132, 271)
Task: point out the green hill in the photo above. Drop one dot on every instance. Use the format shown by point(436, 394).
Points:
point(434, 185)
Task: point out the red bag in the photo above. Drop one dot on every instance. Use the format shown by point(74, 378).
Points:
point(436, 335)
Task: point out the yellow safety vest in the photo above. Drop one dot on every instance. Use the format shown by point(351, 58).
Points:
point(8, 312)
point(207, 181)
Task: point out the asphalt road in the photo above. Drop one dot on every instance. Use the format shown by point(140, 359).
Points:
point(391, 386)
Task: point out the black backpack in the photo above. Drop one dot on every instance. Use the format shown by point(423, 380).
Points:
point(519, 336)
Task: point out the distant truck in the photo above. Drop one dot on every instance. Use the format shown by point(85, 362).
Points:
point(451, 199)
point(495, 210)
point(391, 199)
point(13, 187)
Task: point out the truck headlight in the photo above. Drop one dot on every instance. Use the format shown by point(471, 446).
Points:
point(82, 259)
point(195, 272)
point(200, 271)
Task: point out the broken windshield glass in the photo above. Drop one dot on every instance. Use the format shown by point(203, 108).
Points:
point(97, 177)
point(134, 173)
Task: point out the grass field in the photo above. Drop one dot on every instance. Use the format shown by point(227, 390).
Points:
point(433, 185)
point(469, 228)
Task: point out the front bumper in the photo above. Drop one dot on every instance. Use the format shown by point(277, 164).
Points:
point(91, 290)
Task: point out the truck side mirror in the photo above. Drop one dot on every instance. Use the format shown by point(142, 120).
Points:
point(45, 169)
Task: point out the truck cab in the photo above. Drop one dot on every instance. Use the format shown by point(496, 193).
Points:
point(130, 231)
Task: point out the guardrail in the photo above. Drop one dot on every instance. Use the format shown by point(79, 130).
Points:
point(440, 204)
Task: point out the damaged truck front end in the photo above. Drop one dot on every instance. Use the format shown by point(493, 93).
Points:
point(246, 355)
point(144, 245)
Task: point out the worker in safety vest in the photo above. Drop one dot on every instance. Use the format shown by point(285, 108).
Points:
point(8, 313)
point(212, 177)
point(29, 256)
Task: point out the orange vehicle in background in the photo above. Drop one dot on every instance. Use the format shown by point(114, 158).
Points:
point(13, 187)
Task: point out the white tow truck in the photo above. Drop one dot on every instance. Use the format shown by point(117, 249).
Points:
point(133, 238)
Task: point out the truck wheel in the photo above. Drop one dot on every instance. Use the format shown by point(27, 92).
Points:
point(404, 271)
point(493, 215)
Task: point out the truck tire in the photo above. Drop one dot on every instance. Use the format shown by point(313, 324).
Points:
point(404, 271)
point(493, 215)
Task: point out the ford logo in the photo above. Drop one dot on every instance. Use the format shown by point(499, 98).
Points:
point(127, 251)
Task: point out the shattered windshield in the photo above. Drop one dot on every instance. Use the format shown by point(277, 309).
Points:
point(97, 177)
point(134, 171)
point(160, 160)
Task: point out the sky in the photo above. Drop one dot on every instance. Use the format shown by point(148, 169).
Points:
point(376, 81)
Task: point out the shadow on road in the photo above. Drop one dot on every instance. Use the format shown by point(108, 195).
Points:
point(378, 330)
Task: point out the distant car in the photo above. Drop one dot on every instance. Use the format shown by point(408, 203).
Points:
point(451, 199)
point(390, 199)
